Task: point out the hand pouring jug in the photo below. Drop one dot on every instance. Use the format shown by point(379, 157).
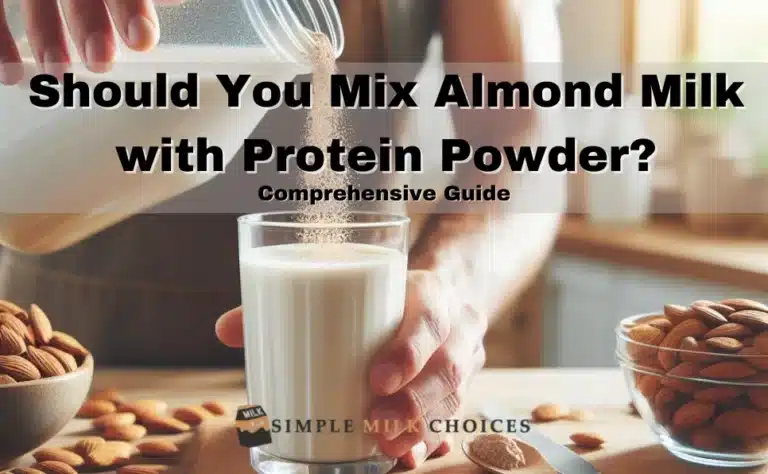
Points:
point(61, 179)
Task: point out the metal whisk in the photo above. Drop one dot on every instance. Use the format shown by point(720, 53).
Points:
point(286, 25)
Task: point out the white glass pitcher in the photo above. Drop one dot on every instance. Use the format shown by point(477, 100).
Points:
point(60, 176)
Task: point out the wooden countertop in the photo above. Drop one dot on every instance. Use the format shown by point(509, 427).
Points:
point(631, 448)
point(667, 246)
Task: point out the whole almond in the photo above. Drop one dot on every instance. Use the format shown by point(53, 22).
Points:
point(548, 412)
point(717, 394)
point(734, 330)
point(48, 365)
point(58, 454)
point(127, 433)
point(87, 444)
point(55, 467)
point(11, 343)
point(675, 378)
point(144, 408)
point(723, 309)
point(587, 440)
point(19, 368)
point(740, 304)
point(759, 397)
point(728, 371)
point(692, 415)
point(143, 469)
point(707, 438)
point(216, 407)
point(67, 360)
point(689, 328)
point(644, 335)
point(677, 314)
point(192, 415)
point(743, 423)
point(761, 343)
point(755, 320)
point(6, 380)
point(162, 424)
point(661, 323)
point(725, 344)
point(708, 315)
point(15, 324)
point(692, 350)
point(96, 408)
point(158, 449)
point(114, 419)
point(68, 344)
point(755, 358)
point(110, 394)
point(41, 325)
point(10, 307)
point(109, 454)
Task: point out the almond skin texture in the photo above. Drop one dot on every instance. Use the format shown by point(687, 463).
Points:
point(86, 445)
point(725, 344)
point(740, 304)
point(158, 449)
point(649, 386)
point(48, 365)
point(734, 330)
point(707, 438)
point(677, 314)
point(587, 440)
point(661, 323)
point(11, 343)
point(755, 357)
point(143, 469)
point(695, 351)
point(709, 316)
point(61, 455)
point(761, 343)
point(144, 408)
point(684, 370)
point(6, 380)
point(55, 467)
point(10, 307)
point(66, 360)
point(666, 396)
point(41, 325)
point(548, 412)
point(693, 415)
point(758, 397)
point(688, 328)
point(68, 344)
point(743, 423)
point(192, 415)
point(19, 368)
point(162, 424)
point(110, 394)
point(128, 433)
point(109, 454)
point(15, 324)
point(644, 335)
point(216, 407)
point(755, 320)
point(728, 371)
point(717, 394)
point(114, 419)
point(92, 409)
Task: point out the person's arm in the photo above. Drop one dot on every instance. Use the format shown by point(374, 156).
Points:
point(496, 250)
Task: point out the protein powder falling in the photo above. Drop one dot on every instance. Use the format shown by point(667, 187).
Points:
point(324, 124)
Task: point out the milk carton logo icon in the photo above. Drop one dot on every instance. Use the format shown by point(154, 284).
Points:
point(253, 426)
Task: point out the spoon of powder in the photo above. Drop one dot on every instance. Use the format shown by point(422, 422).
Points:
point(500, 454)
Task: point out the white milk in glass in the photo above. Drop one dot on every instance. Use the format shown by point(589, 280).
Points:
point(315, 314)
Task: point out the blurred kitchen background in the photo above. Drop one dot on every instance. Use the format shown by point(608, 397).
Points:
point(612, 258)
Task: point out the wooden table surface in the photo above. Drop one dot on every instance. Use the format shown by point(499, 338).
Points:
point(631, 447)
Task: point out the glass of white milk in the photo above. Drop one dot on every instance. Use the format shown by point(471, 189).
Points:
point(319, 300)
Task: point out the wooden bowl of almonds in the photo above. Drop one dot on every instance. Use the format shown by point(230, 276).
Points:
point(698, 374)
point(45, 376)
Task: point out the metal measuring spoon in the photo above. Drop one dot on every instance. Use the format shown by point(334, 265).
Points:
point(534, 461)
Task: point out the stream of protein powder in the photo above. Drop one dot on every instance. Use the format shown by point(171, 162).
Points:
point(326, 219)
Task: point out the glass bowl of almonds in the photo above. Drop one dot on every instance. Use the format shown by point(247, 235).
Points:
point(698, 375)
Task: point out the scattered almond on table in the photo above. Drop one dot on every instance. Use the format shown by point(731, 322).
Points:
point(587, 440)
point(30, 349)
point(548, 412)
point(121, 423)
point(724, 342)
